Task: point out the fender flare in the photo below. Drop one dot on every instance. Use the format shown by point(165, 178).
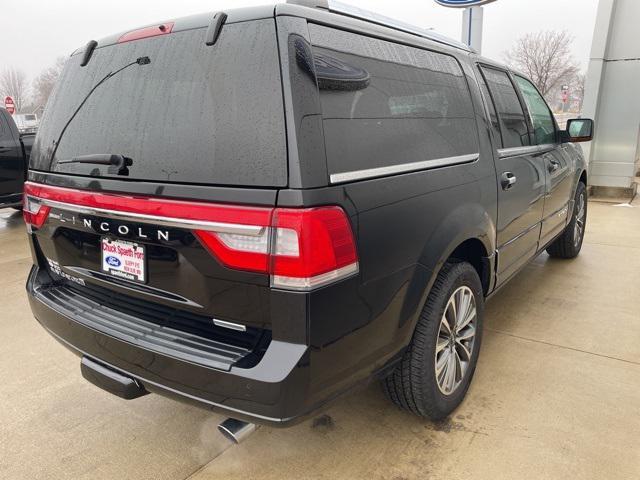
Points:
point(466, 222)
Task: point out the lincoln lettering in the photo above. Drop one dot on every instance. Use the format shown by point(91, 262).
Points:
point(124, 230)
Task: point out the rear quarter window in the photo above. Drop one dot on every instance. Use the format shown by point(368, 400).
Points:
point(386, 104)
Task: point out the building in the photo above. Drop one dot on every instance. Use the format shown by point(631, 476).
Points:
point(612, 98)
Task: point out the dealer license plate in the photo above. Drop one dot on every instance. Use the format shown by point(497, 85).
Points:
point(124, 260)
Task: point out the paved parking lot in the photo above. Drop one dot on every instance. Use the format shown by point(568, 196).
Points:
point(556, 392)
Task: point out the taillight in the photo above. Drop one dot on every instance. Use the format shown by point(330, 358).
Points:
point(300, 248)
point(242, 250)
point(312, 247)
point(33, 211)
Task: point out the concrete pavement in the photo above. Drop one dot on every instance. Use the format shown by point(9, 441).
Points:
point(556, 392)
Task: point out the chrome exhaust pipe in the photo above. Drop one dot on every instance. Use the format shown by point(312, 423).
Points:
point(236, 430)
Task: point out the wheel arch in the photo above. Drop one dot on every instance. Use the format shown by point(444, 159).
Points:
point(583, 178)
point(474, 252)
point(468, 234)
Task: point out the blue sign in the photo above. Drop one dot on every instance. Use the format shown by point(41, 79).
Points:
point(462, 3)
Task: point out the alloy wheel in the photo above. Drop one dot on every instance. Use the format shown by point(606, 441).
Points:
point(455, 341)
point(578, 229)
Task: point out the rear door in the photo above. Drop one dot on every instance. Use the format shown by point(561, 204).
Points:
point(11, 159)
point(557, 162)
point(520, 172)
point(197, 134)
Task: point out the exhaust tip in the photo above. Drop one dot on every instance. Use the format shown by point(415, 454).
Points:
point(236, 430)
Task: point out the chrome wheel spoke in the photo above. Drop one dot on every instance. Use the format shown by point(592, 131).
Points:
point(442, 344)
point(467, 334)
point(463, 348)
point(450, 314)
point(450, 377)
point(460, 368)
point(442, 362)
point(463, 311)
point(471, 315)
point(445, 328)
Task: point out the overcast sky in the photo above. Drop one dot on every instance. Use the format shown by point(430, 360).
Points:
point(35, 32)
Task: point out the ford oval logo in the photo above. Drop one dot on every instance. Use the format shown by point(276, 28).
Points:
point(462, 3)
point(113, 261)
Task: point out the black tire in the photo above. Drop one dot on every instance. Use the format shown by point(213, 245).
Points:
point(569, 243)
point(413, 385)
point(18, 208)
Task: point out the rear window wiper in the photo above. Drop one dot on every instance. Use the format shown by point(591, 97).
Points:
point(117, 163)
point(56, 143)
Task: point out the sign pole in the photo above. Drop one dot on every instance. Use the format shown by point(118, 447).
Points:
point(472, 21)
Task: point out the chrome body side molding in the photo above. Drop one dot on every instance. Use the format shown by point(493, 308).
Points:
point(402, 168)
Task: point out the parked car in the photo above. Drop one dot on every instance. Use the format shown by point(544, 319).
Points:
point(14, 152)
point(319, 200)
point(26, 122)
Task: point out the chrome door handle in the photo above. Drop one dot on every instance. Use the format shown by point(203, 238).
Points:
point(507, 180)
point(553, 166)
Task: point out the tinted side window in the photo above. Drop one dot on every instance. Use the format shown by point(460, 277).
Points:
point(543, 124)
point(493, 115)
point(387, 104)
point(512, 119)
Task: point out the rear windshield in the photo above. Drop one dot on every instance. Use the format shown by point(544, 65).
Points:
point(194, 114)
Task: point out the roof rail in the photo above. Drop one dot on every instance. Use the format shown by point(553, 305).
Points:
point(311, 3)
point(361, 14)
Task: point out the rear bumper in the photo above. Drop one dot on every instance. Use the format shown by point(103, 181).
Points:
point(273, 392)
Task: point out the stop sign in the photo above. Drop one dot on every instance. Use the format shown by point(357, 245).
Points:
point(9, 105)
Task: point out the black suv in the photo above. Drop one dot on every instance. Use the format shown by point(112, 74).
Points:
point(14, 152)
point(260, 209)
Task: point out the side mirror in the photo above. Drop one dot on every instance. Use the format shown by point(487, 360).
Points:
point(579, 130)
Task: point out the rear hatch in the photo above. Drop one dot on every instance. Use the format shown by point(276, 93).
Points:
point(154, 175)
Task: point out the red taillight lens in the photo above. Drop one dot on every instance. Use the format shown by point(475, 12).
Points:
point(312, 247)
point(242, 250)
point(34, 213)
point(301, 248)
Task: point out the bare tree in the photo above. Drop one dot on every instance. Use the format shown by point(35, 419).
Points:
point(545, 57)
point(14, 84)
point(43, 84)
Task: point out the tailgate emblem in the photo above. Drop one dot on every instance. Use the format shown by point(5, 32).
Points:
point(113, 261)
point(120, 229)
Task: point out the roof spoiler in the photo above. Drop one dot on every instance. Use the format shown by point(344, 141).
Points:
point(88, 51)
point(213, 32)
